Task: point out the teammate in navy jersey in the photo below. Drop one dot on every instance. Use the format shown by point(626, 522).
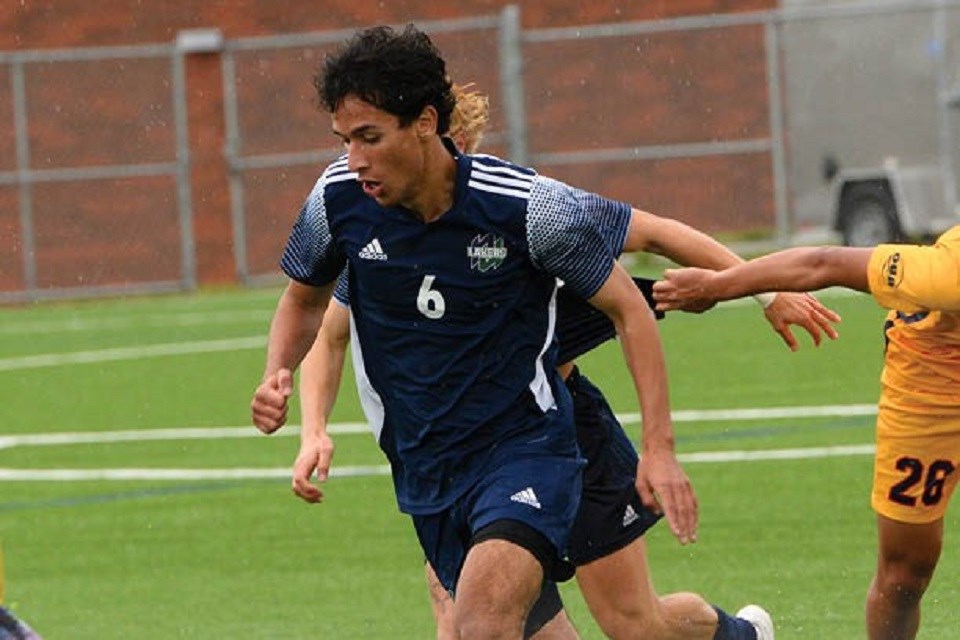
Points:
point(453, 263)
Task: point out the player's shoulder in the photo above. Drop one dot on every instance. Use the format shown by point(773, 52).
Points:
point(950, 238)
point(493, 177)
point(336, 181)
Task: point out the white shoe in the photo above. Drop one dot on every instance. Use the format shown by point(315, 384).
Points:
point(760, 619)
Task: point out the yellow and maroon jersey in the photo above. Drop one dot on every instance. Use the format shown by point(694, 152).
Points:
point(921, 286)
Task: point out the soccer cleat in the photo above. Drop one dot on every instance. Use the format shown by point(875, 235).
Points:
point(12, 628)
point(760, 619)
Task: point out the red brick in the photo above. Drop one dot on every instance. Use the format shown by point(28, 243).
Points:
point(660, 89)
point(81, 243)
point(11, 247)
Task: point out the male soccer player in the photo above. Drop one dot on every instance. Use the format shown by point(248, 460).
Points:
point(918, 423)
point(453, 268)
point(615, 591)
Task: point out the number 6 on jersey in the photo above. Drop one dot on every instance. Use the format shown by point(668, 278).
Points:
point(430, 302)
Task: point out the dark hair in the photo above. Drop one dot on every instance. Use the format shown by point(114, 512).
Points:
point(400, 73)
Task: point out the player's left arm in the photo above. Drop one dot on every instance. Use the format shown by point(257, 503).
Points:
point(797, 269)
point(661, 482)
point(690, 247)
point(320, 375)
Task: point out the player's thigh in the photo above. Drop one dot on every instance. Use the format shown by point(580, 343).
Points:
point(499, 578)
point(915, 466)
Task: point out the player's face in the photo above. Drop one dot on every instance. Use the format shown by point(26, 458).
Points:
point(388, 159)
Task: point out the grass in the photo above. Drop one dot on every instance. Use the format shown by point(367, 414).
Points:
point(217, 558)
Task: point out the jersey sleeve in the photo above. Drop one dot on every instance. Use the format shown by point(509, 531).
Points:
point(310, 256)
point(612, 217)
point(565, 240)
point(341, 293)
point(911, 278)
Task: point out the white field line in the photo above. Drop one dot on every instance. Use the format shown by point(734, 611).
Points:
point(177, 319)
point(132, 435)
point(132, 353)
point(218, 433)
point(60, 475)
point(135, 435)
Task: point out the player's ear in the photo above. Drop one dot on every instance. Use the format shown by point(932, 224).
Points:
point(426, 122)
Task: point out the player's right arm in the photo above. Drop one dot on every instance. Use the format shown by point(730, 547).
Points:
point(320, 375)
point(313, 263)
point(292, 332)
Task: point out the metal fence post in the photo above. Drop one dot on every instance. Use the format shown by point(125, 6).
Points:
point(25, 187)
point(184, 194)
point(775, 102)
point(233, 150)
point(511, 82)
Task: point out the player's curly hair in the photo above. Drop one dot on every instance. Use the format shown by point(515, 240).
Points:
point(400, 73)
point(469, 118)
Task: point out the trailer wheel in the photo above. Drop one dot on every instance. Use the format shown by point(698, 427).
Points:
point(869, 216)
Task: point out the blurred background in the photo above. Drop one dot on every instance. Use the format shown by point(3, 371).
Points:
point(167, 145)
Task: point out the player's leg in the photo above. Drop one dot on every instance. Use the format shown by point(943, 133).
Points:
point(622, 600)
point(519, 514)
point(607, 547)
point(441, 604)
point(906, 559)
point(498, 585)
point(914, 478)
point(546, 621)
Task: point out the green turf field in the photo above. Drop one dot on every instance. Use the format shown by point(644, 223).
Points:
point(158, 512)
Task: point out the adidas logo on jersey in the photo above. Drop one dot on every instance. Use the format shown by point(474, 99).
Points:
point(527, 496)
point(630, 516)
point(373, 251)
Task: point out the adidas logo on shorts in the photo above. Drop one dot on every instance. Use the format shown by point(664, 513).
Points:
point(527, 496)
point(630, 516)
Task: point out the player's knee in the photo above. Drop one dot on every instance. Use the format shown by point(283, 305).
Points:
point(630, 622)
point(904, 583)
point(473, 623)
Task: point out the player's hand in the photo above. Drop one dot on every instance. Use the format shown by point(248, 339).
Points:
point(805, 311)
point(664, 488)
point(271, 401)
point(316, 452)
point(683, 290)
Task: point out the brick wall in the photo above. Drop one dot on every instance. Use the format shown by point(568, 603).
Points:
point(668, 88)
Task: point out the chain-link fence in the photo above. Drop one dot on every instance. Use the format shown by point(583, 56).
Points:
point(756, 124)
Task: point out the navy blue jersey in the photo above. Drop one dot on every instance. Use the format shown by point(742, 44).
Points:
point(582, 327)
point(454, 320)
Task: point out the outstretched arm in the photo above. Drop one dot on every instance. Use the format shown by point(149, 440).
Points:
point(692, 248)
point(799, 269)
point(661, 482)
point(320, 376)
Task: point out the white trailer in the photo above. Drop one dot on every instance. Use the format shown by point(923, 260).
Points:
point(872, 117)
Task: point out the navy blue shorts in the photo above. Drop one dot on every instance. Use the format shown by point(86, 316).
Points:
point(538, 492)
point(611, 515)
